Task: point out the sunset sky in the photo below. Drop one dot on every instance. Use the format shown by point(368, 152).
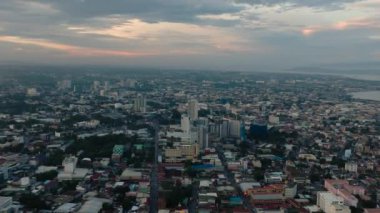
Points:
point(199, 34)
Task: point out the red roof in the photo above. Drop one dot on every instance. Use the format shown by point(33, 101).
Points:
point(371, 210)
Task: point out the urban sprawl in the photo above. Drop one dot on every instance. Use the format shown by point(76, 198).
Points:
point(165, 141)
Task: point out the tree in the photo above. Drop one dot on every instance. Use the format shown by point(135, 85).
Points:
point(69, 185)
point(33, 202)
point(192, 173)
point(107, 207)
point(128, 203)
point(314, 177)
point(177, 195)
point(259, 176)
point(176, 115)
point(266, 163)
point(94, 147)
point(338, 161)
point(203, 112)
point(322, 161)
point(55, 158)
point(244, 148)
point(50, 175)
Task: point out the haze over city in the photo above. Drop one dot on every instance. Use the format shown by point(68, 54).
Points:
point(190, 106)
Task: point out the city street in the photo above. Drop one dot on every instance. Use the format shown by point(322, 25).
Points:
point(247, 204)
point(154, 179)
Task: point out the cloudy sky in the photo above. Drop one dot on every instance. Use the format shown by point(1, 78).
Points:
point(199, 34)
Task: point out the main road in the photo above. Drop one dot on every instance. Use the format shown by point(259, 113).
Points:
point(246, 201)
point(193, 201)
point(154, 178)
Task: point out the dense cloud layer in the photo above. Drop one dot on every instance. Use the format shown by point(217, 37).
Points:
point(324, 4)
point(213, 34)
point(147, 10)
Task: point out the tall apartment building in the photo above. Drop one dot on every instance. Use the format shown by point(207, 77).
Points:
point(185, 124)
point(140, 104)
point(235, 128)
point(193, 109)
point(203, 137)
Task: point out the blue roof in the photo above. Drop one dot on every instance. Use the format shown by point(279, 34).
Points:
point(235, 200)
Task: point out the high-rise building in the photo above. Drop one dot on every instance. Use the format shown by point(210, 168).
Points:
point(235, 128)
point(259, 129)
point(131, 83)
point(32, 92)
point(140, 104)
point(202, 121)
point(95, 85)
point(193, 109)
point(69, 164)
point(185, 123)
point(193, 134)
point(63, 85)
point(202, 137)
point(224, 129)
point(106, 85)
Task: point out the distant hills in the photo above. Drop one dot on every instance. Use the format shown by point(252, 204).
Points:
point(362, 68)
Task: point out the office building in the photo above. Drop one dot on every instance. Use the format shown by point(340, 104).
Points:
point(65, 84)
point(202, 137)
point(185, 124)
point(96, 85)
point(235, 128)
point(32, 92)
point(69, 164)
point(193, 109)
point(181, 153)
point(140, 104)
point(259, 129)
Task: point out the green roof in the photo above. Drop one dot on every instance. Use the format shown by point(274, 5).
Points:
point(118, 149)
point(139, 146)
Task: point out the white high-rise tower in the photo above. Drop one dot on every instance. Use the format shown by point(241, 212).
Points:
point(185, 123)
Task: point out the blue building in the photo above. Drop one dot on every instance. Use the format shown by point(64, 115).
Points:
point(259, 130)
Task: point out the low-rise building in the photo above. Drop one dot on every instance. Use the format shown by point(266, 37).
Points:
point(181, 153)
point(330, 203)
point(5, 204)
point(351, 167)
point(343, 189)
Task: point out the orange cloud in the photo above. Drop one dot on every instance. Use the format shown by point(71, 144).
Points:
point(342, 25)
point(167, 35)
point(69, 49)
point(308, 31)
point(359, 23)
